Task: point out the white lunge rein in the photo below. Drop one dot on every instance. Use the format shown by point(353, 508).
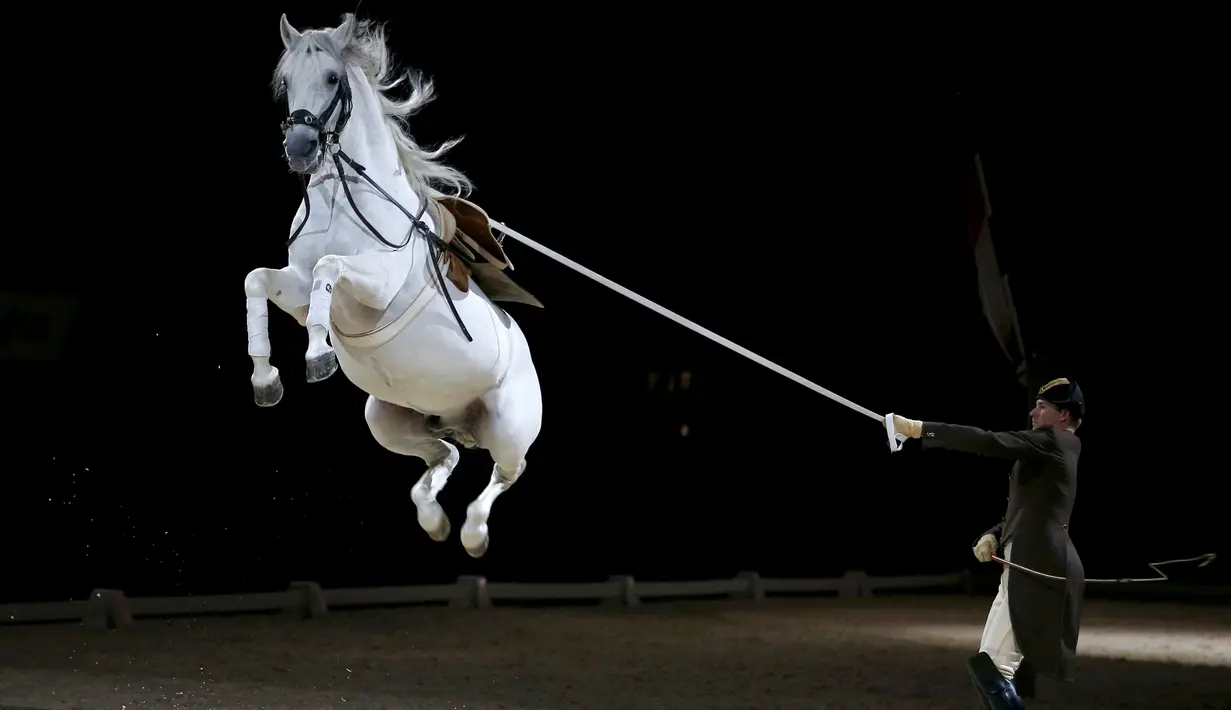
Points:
point(895, 439)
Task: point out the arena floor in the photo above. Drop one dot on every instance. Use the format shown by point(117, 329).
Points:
point(896, 653)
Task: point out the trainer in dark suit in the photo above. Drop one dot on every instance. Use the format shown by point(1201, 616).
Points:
point(1041, 618)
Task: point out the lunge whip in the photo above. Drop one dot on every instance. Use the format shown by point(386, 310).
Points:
point(1162, 576)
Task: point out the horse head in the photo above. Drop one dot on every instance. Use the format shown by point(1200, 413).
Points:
point(312, 76)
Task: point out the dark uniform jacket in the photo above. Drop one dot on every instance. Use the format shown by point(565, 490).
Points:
point(1046, 614)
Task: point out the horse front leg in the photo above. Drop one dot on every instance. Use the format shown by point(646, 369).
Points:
point(289, 293)
point(364, 276)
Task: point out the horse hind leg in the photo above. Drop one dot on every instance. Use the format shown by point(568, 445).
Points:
point(403, 431)
point(475, 534)
point(512, 423)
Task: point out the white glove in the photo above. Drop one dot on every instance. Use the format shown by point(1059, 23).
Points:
point(912, 428)
point(985, 548)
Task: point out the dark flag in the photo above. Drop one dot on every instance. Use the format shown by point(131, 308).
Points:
point(993, 284)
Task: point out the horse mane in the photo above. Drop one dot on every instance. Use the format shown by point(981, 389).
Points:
point(423, 168)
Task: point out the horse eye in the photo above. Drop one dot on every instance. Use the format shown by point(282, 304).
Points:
point(333, 79)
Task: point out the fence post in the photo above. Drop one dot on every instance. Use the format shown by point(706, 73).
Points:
point(307, 601)
point(755, 590)
point(473, 593)
point(107, 609)
point(627, 594)
point(854, 584)
point(628, 591)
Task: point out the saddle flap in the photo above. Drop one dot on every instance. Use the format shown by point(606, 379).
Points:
point(473, 227)
point(499, 287)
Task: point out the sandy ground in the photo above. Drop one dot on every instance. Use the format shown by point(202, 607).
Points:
point(899, 653)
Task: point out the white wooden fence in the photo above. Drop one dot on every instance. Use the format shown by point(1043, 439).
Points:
point(110, 608)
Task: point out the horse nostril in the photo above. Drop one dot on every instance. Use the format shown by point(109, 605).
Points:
point(302, 145)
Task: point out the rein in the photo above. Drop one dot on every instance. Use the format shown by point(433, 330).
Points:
point(328, 142)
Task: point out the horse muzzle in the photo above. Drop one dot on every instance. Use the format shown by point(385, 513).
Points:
point(302, 146)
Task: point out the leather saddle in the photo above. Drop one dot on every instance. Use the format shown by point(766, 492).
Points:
point(474, 252)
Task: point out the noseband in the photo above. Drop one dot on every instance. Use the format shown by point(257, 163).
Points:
point(325, 138)
point(329, 143)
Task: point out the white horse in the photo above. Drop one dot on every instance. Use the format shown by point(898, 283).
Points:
point(435, 355)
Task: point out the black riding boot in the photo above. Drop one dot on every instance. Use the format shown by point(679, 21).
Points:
point(995, 690)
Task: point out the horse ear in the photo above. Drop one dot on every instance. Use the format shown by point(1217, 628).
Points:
point(290, 35)
point(341, 35)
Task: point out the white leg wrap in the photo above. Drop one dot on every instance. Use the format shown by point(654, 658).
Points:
point(258, 326)
point(319, 303)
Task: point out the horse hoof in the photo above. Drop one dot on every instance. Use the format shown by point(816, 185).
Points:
point(267, 395)
point(441, 533)
point(322, 366)
point(479, 550)
point(475, 539)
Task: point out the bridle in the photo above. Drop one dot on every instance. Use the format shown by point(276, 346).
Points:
point(329, 143)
